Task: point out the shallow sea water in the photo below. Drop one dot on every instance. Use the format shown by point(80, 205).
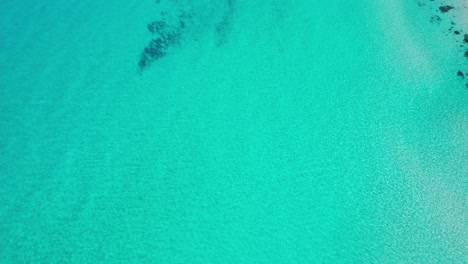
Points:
point(271, 132)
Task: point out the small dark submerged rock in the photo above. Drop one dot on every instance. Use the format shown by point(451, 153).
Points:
point(456, 32)
point(460, 74)
point(435, 19)
point(465, 39)
point(446, 8)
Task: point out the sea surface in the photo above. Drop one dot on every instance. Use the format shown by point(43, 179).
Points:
point(232, 131)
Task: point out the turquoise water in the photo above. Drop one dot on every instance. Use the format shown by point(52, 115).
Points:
point(270, 132)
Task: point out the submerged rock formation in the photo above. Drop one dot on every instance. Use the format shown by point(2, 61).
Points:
point(163, 38)
point(435, 19)
point(446, 8)
point(440, 8)
point(182, 21)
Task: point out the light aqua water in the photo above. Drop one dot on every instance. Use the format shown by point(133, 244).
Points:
point(303, 132)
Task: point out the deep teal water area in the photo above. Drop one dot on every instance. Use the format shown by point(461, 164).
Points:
point(232, 132)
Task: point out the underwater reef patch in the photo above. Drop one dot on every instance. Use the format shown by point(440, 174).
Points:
point(445, 9)
point(440, 7)
point(159, 45)
point(180, 20)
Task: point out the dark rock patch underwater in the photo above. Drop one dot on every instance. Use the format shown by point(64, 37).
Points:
point(462, 42)
point(159, 45)
point(445, 9)
point(175, 22)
